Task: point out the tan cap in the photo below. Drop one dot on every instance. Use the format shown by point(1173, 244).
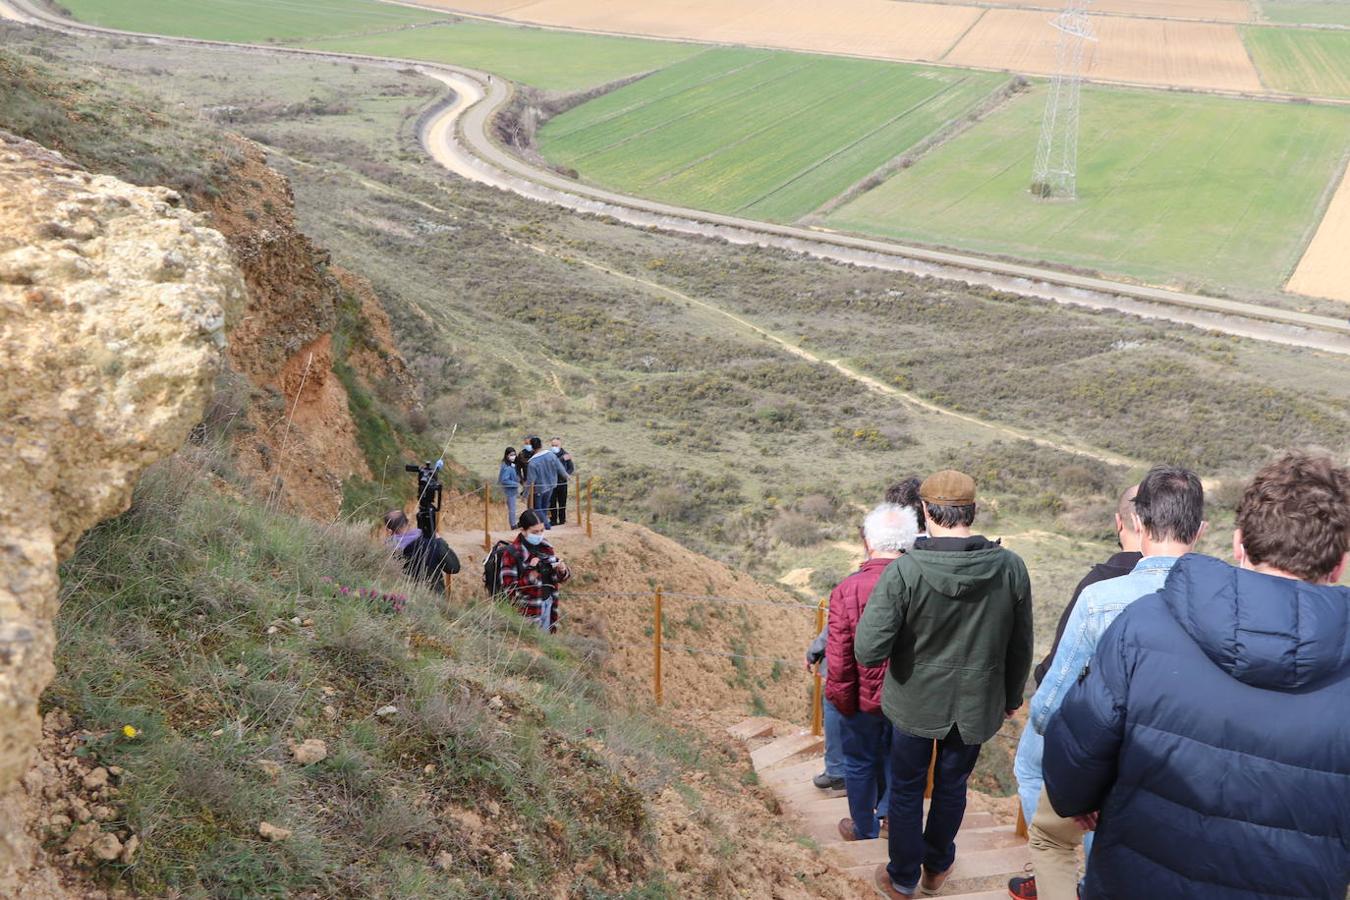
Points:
point(948, 488)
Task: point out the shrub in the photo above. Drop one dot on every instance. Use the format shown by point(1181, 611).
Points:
point(794, 529)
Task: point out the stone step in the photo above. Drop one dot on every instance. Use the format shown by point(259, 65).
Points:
point(856, 853)
point(785, 748)
point(793, 773)
point(835, 808)
point(752, 728)
point(1008, 861)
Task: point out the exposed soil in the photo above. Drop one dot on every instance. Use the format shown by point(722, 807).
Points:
point(1324, 270)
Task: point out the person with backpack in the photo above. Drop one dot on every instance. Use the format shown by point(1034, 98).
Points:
point(508, 479)
point(425, 559)
point(527, 571)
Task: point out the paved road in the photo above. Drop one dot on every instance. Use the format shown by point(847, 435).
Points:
point(456, 134)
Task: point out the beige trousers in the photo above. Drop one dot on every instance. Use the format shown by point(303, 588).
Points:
point(1054, 845)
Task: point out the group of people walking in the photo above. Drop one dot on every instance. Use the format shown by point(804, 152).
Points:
point(1190, 727)
point(540, 475)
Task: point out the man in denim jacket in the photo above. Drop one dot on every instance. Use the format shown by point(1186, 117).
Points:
point(1169, 516)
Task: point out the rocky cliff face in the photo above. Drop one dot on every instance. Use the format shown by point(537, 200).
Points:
point(113, 309)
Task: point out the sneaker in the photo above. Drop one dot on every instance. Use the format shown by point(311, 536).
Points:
point(846, 830)
point(881, 880)
point(932, 883)
point(827, 782)
point(1022, 888)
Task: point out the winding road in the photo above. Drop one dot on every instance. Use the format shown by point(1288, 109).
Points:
point(456, 132)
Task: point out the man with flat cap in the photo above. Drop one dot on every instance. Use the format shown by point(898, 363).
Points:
point(953, 616)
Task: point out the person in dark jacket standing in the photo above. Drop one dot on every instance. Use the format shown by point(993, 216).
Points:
point(1209, 739)
point(1027, 763)
point(855, 691)
point(557, 507)
point(953, 617)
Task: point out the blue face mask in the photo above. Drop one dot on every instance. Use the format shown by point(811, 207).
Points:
point(534, 539)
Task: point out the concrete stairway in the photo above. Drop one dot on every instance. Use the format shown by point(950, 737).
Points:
point(987, 853)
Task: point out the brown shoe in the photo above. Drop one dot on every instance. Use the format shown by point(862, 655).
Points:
point(931, 883)
point(881, 879)
point(846, 830)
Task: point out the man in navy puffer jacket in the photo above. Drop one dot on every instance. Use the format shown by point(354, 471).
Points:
point(1212, 728)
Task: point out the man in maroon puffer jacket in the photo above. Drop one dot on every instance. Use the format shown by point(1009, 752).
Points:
point(888, 531)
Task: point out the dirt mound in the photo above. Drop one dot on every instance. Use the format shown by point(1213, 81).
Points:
point(731, 642)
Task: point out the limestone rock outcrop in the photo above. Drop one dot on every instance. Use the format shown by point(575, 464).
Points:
point(113, 306)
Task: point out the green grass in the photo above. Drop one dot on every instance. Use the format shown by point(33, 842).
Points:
point(769, 135)
point(1170, 188)
point(248, 20)
point(1302, 61)
point(552, 60)
point(1307, 12)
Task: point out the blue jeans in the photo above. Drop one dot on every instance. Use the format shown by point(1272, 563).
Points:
point(509, 492)
point(541, 498)
point(867, 750)
point(834, 741)
point(1027, 771)
point(912, 842)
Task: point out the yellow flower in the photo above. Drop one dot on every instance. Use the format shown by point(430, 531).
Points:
point(130, 731)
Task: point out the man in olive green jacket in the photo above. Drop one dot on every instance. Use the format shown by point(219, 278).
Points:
point(953, 616)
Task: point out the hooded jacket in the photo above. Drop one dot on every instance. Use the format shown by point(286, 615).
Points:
point(1212, 731)
point(849, 686)
point(955, 623)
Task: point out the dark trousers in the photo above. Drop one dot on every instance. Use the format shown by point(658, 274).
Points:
point(541, 500)
point(557, 510)
point(867, 749)
point(914, 843)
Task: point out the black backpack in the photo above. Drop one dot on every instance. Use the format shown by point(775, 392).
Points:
point(492, 568)
point(429, 561)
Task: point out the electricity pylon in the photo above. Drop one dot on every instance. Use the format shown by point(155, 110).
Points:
point(1056, 173)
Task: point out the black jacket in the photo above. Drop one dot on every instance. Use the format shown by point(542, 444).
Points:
point(1122, 563)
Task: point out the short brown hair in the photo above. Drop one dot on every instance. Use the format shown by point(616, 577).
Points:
point(1295, 516)
point(395, 520)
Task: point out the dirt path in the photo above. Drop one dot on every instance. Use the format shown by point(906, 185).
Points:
point(455, 134)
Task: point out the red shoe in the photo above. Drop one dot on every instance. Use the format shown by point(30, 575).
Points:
point(846, 830)
point(881, 879)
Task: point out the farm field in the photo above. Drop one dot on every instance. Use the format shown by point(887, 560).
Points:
point(767, 135)
point(1142, 51)
point(552, 60)
point(1191, 191)
point(1306, 12)
point(1324, 270)
point(1204, 10)
point(1302, 61)
point(248, 20)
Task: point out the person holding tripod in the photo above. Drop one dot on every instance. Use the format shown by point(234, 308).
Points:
point(529, 572)
point(426, 557)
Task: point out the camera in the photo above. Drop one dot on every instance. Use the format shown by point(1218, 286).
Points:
point(428, 494)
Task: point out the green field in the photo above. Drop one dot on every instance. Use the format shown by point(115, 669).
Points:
point(1302, 60)
point(247, 20)
point(768, 135)
point(1171, 188)
point(1307, 12)
point(552, 60)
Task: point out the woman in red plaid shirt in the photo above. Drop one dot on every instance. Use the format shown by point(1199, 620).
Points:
point(531, 573)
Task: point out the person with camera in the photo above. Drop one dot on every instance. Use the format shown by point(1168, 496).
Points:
point(425, 559)
point(530, 572)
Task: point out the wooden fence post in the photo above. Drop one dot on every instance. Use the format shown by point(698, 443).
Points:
point(1021, 820)
point(576, 489)
point(818, 697)
point(656, 647)
point(487, 525)
point(932, 764)
point(590, 483)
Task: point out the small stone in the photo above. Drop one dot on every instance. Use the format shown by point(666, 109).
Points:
point(115, 771)
point(79, 810)
point(493, 808)
point(504, 863)
point(83, 836)
point(496, 703)
point(107, 847)
point(218, 732)
point(129, 849)
point(104, 813)
point(307, 623)
point(384, 711)
point(429, 769)
point(328, 690)
point(330, 713)
point(58, 822)
point(444, 861)
point(309, 751)
point(272, 629)
point(271, 768)
point(295, 621)
point(272, 832)
point(98, 778)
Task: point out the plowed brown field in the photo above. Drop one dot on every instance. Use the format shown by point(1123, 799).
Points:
point(1141, 51)
point(1150, 51)
point(1324, 270)
point(880, 28)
